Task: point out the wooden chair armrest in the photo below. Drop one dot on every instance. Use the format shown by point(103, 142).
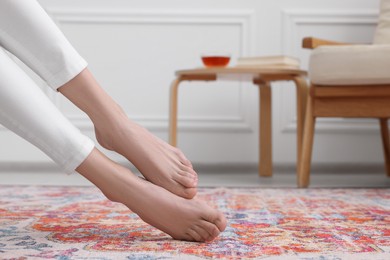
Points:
point(311, 42)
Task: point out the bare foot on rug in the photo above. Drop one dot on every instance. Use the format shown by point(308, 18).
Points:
point(159, 162)
point(183, 219)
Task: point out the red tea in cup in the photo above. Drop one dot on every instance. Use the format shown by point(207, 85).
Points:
point(215, 61)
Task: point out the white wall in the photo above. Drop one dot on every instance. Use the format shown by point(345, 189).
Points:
point(134, 47)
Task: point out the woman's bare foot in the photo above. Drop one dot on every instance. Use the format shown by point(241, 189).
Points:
point(159, 162)
point(183, 219)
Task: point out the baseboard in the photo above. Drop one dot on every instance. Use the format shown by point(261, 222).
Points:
point(225, 174)
point(46, 167)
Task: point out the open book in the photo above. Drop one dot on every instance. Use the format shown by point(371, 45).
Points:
point(285, 62)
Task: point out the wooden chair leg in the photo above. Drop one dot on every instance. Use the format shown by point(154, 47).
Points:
point(386, 143)
point(302, 91)
point(307, 147)
point(173, 112)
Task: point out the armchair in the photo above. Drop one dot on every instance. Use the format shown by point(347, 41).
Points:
point(348, 81)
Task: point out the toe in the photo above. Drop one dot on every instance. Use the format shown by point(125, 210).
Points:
point(183, 159)
point(187, 180)
point(211, 229)
point(221, 222)
point(217, 218)
point(200, 229)
point(186, 170)
point(195, 235)
point(188, 193)
point(180, 190)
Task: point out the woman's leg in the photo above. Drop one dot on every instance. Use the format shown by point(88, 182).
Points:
point(28, 32)
point(159, 162)
point(27, 111)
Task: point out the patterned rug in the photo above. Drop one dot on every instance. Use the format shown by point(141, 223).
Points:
point(49, 222)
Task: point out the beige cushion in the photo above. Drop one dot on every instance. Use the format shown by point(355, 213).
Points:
point(382, 33)
point(350, 65)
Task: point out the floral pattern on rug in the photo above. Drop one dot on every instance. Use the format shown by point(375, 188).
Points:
point(49, 222)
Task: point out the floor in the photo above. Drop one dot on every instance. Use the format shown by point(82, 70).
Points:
point(284, 178)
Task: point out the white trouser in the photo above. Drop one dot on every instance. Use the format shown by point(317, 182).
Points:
point(27, 32)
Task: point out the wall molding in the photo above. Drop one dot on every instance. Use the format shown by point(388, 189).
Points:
point(242, 18)
point(187, 124)
point(292, 19)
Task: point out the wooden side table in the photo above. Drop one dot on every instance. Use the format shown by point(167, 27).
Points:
point(262, 78)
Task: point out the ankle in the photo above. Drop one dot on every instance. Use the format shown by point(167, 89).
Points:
point(107, 115)
point(121, 184)
point(108, 121)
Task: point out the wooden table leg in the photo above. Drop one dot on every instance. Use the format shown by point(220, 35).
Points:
point(386, 143)
point(173, 112)
point(173, 102)
point(302, 91)
point(265, 129)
